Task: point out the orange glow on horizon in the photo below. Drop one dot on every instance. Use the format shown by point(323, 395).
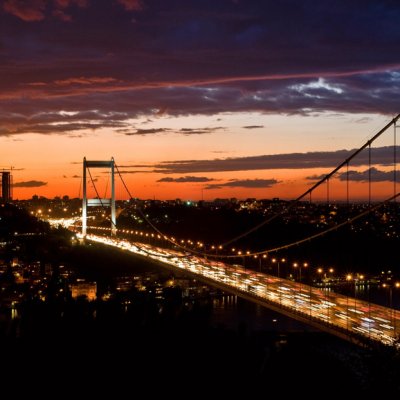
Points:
point(54, 162)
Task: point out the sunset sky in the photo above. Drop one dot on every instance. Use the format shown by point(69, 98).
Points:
point(197, 99)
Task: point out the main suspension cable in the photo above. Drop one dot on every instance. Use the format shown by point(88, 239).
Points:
point(292, 205)
point(264, 251)
point(316, 185)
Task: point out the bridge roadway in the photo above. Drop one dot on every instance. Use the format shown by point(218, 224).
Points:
point(348, 317)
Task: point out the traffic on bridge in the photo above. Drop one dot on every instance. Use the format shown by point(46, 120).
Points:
point(343, 313)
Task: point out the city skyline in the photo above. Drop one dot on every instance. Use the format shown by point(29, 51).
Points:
point(196, 100)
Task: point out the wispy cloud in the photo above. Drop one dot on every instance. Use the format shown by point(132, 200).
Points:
point(253, 127)
point(315, 177)
point(245, 183)
point(82, 80)
point(29, 184)
point(151, 131)
point(199, 131)
point(183, 131)
point(186, 179)
point(59, 122)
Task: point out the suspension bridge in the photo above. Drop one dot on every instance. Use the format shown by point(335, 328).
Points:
point(351, 318)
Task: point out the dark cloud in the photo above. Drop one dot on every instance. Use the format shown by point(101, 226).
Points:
point(186, 179)
point(58, 122)
point(237, 57)
point(315, 177)
point(147, 131)
point(364, 176)
point(29, 184)
point(318, 159)
point(253, 127)
point(375, 174)
point(246, 183)
point(200, 131)
point(184, 131)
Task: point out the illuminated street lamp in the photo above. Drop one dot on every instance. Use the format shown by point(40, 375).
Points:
point(349, 278)
point(319, 272)
point(278, 261)
point(240, 254)
point(323, 275)
point(305, 265)
point(390, 287)
point(297, 265)
point(355, 279)
point(259, 260)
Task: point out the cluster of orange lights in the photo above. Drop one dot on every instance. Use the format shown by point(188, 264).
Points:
point(350, 277)
point(396, 285)
point(199, 244)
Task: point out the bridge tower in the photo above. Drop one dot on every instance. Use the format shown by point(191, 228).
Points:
point(96, 202)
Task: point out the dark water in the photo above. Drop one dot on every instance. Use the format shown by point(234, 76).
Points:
point(234, 312)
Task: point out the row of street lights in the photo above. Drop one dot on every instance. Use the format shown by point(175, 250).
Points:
point(295, 265)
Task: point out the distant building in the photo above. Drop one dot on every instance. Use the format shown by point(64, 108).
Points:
point(6, 186)
point(48, 269)
point(124, 284)
point(83, 288)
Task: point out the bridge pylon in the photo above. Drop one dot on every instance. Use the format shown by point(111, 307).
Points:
point(96, 202)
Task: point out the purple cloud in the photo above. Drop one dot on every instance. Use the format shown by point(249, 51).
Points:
point(237, 57)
